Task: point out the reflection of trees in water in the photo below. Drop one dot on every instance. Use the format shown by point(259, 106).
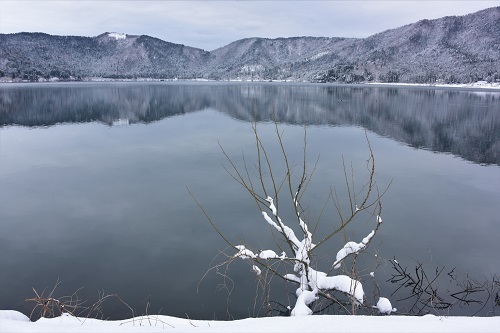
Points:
point(464, 123)
point(47, 106)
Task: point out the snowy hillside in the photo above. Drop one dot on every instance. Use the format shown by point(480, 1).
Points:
point(448, 50)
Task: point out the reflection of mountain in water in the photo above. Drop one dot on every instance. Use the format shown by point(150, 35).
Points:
point(466, 124)
point(110, 104)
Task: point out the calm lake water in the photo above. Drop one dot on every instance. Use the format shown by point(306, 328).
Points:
point(94, 178)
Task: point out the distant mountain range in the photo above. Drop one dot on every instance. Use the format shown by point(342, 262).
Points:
point(453, 49)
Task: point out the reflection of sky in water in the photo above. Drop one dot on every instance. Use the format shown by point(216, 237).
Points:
point(107, 207)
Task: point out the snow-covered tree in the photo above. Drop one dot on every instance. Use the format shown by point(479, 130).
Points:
point(298, 252)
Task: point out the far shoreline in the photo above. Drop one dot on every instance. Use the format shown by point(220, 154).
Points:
point(476, 86)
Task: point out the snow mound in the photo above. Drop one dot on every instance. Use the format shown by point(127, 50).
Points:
point(13, 315)
point(384, 306)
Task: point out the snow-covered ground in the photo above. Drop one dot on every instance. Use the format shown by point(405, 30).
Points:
point(476, 85)
point(479, 84)
point(13, 321)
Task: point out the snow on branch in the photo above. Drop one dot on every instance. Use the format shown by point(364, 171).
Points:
point(270, 254)
point(352, 247)
point(282, 228)
point(244, 253)
point(303, 225)
point(292, 277)
point(344, 284)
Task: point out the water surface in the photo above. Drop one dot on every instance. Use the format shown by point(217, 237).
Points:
point(93, 184)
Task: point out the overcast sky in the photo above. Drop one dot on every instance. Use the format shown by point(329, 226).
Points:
point(212, 24)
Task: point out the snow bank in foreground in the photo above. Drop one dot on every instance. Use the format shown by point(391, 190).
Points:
point(13, 315)
point(11, 323)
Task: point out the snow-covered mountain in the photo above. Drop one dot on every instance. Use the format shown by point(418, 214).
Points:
point(115, 55)
point(455, 49)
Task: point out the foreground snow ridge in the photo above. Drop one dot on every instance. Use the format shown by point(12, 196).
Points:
point(13, 321)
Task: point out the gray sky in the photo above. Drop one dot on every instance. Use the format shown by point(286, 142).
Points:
point(212, 24)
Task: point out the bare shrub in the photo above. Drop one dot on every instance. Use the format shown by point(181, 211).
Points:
point(297, 261)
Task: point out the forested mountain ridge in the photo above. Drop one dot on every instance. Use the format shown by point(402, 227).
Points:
point(453, 49)
point(34, 55)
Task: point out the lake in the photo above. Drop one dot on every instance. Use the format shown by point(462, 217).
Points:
point(94, 179)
